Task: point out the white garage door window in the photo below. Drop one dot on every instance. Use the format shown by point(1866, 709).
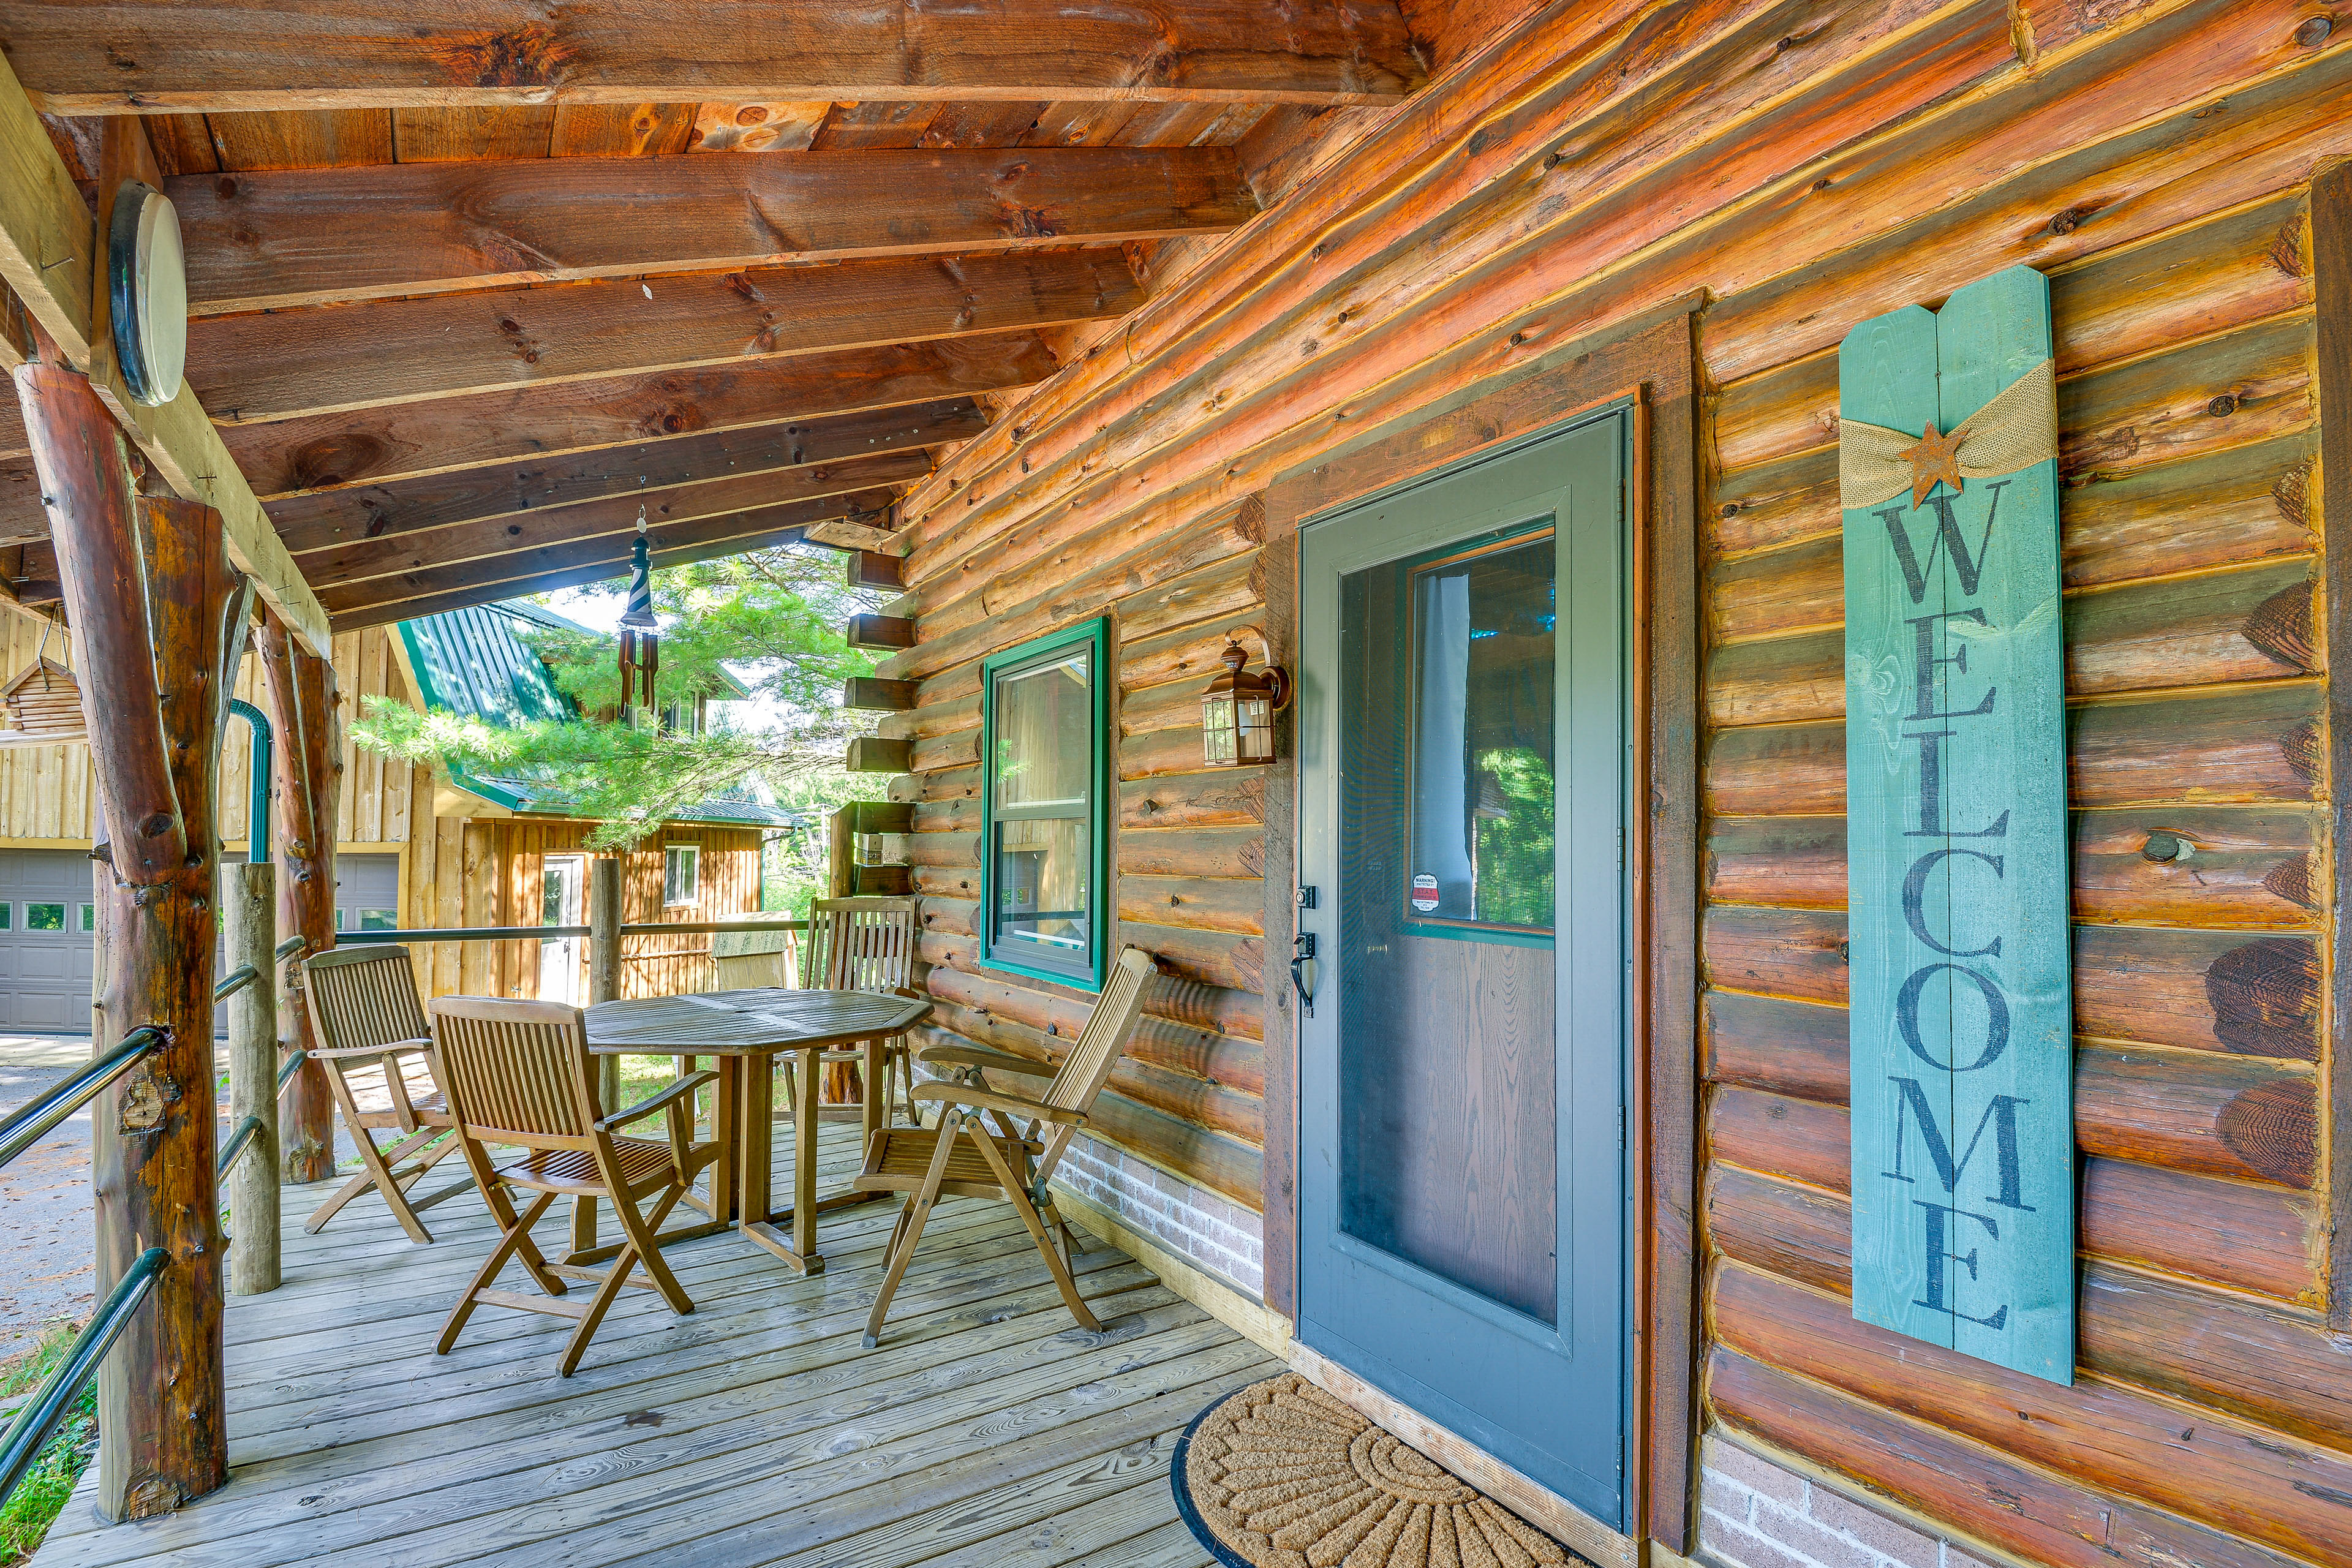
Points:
point(46, 924)
point(49, 926)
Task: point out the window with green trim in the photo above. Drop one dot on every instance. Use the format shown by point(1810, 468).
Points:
point(1046, 862)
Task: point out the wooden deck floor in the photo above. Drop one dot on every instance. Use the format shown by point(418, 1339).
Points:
point(987, 1432)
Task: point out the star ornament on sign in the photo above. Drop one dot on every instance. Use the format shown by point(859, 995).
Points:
point(1936, 456)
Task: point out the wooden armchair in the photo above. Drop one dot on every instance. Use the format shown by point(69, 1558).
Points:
point(519, 1073)
point(867, 944)
point(962, 1158)
point(377, 1052)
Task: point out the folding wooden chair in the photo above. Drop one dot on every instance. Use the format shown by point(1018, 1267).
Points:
point(961, 1158)
point(519, 1073)
point(377, 1052)
point(867, 944)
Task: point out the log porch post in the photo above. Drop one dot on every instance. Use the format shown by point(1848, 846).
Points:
point(160, 615)
point(310, 767)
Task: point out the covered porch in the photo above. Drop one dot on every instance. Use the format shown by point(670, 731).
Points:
point(986, 1430)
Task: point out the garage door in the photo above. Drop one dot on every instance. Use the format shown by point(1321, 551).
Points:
point(47, 930)
point(46, 921)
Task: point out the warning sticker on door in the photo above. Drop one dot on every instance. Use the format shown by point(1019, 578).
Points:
point(1424, 892)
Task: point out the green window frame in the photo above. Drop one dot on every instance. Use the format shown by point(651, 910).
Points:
point(1036, 959)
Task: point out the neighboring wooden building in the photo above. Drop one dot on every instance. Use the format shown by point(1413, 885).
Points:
point(412, 851)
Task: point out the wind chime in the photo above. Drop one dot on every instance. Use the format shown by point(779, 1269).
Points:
point(640, 637)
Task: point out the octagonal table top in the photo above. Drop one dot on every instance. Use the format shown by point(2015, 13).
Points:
point(747, 1023)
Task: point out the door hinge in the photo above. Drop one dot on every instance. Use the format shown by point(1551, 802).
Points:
point(1621, 1129)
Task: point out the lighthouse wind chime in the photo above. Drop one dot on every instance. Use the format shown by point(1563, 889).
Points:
point(640, 638)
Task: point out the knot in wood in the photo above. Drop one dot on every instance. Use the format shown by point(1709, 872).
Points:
point(2222, 406)
point(2163, 847)
point(2314, 31)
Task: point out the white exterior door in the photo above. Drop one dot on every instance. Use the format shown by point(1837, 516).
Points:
point(559, 957)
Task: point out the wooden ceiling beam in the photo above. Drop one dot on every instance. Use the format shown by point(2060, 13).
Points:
point(536, 424)
point(550, 582)
point(324, 519)
point(586, 560)
point(281, 238)
point(292, 365)
point(611, 519)
point(48, 257)
point(216, 55)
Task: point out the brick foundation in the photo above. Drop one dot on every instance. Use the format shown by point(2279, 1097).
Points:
point(1218, 1235)
point(1754, 1514)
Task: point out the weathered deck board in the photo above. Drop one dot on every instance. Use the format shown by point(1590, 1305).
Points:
point(754, 1433)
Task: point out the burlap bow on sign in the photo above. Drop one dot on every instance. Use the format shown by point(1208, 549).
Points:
point(2016, 430)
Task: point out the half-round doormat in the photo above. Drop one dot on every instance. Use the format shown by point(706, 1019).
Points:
point(1281, 1474)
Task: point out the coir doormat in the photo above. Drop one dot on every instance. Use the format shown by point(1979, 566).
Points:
point(1281, 1474)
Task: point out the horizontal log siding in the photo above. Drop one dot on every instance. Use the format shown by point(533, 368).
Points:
point(1189, 1095)
point(2197, 689)
point(1807, 165)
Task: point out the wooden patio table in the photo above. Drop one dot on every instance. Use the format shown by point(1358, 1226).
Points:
point(745, 1031)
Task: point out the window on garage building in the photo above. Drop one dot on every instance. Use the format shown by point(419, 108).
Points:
point(1045, 720)
point(45, 917)
point(681, 874)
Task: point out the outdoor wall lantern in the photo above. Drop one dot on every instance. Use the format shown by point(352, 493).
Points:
point(1237, 712)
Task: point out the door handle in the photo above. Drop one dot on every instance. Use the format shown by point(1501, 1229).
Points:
point(1302, 978)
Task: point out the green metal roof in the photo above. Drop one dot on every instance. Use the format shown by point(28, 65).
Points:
point(471, 663)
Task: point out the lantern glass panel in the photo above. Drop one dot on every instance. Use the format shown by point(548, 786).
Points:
point(1220, 737)
point(1255, 713)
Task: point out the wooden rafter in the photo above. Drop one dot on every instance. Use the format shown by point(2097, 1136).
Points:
point(324, 451)
point(348, 54)
point(48, 248)
point(436, 589)
point(279, 367)
point(610, 521)
point(326, 517)
point(308, 237)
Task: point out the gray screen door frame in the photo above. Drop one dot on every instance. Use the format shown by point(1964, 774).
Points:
point(1552, 1399)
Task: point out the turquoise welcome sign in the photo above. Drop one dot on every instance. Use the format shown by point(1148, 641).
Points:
point(1957, 828)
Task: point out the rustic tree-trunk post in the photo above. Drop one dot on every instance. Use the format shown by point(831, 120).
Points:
point(249, 906)
point(310, 767)
point(603, 986)
point(605, 959)
point(160, 616)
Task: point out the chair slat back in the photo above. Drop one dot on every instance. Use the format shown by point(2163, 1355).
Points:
point(1088, 1067)
point(365, 997)
point(517, 1071)
point(867, 944)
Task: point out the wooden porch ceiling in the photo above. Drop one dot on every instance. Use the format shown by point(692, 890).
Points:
point(471, 283)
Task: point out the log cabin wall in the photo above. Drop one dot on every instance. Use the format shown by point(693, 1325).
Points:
point(1807, 166)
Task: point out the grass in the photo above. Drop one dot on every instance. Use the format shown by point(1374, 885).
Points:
point(28, 1511)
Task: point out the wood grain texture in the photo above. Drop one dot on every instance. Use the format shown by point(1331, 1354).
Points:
point(273, 240)
point(2331, 244)
point(229, 55)
point(330, 451)
point(162, 1390)
point(2278, 1367)
point(600, 555)
point(281, 365)
point(2245, 1236)
point(2199, 1111)
point(2046, 1518)
point(2118, 1441)
point(323, 518)
point(2204, 990)
point(528, 534)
